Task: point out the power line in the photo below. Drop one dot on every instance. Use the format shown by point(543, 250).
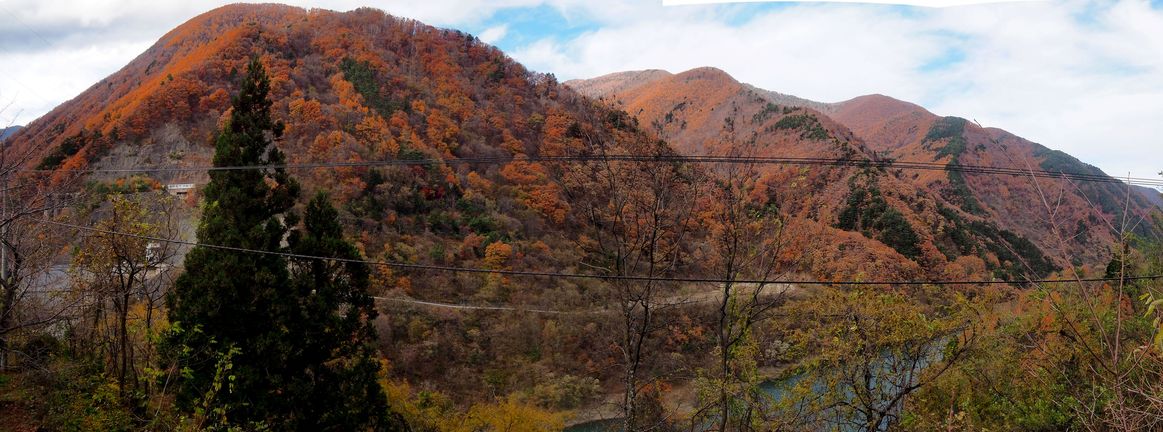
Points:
point(699, 159)
point(564, 275)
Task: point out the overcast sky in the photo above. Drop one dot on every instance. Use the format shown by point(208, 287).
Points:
point(1080, 76)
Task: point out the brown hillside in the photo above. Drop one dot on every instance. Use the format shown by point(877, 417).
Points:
point(1085, 212)
point(366, 86)
point(616, 83)
point(705, 111)
point(886, 123)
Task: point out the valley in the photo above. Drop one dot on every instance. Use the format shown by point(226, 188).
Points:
point(314, 205)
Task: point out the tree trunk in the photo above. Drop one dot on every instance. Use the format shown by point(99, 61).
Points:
point(628, 401)
point(124, 342)
point(630, 380)
point(6, 305)
point(724, 358)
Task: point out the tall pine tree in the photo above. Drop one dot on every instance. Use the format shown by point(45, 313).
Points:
point(339, 364)
point(301, 355)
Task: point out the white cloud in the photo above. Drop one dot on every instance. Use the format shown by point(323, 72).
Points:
point(826, 52)
point(1081, 77)
point(493, 34)
point(922, 3)
point(36, 82)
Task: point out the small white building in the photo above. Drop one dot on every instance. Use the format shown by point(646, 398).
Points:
point(180, 189)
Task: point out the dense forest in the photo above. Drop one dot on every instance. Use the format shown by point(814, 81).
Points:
point(288, 219)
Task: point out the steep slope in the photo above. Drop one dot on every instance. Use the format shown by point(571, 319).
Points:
point(613, 84)
point(850, 221)
point(1084, 213)
point(366, 86)
point(1153, 196)
point(964, 216)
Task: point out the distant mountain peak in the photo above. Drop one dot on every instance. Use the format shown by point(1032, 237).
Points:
point(707, 72)
point(706, 111)
point(617, 82)
point(9, 131)
point(878, 103)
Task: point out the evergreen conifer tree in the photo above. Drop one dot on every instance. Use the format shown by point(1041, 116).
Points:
point(338, 360)
point(235, 300)
point(296, 335)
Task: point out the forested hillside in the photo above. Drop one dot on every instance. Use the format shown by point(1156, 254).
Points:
point(364, 86)
point(705, 111)
point(376, 199)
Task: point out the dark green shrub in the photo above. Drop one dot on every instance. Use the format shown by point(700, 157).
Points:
point(807, 124)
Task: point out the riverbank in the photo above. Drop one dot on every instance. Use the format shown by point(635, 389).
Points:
point(681, 400)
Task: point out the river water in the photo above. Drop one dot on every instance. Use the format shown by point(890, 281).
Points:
point(776, 389)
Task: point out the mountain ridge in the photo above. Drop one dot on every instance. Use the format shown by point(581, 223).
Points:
point(9, 131)
point(365, 86)
point(880, 126)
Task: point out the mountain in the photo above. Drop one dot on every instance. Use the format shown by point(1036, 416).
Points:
point(1152, 195)
point(1085, 210)
point(8, 131)
point(706, 111)
point(367, 86)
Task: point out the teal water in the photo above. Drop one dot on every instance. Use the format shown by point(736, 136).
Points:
point(776, 389)
point(773, 388)
point(608, 425)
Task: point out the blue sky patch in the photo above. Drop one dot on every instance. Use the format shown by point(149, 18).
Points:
point(739, 14)
point(950, 57)
point(528, 25)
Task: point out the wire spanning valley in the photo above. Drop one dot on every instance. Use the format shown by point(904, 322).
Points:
point(609, 277)
point(704, 159)
point(279, 218)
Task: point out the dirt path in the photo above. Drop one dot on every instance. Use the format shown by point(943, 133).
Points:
point(706, 293)
point(696, 294)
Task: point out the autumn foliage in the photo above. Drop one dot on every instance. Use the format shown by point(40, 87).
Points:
point(386, 113)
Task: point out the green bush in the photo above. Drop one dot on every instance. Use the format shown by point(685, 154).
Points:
point(132, 184)
point(365, 80)
point(808, 125)
point(69, 147)
point(867, 211)
point(765, 113)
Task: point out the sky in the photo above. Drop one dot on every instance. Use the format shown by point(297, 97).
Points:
point(1085, 77)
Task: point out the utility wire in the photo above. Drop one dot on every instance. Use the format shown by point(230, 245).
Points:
point(703, 159)
point(563, 275)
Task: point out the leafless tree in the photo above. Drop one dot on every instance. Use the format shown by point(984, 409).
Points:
point(28, 247)
point(638, 215)
point(746, 241)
